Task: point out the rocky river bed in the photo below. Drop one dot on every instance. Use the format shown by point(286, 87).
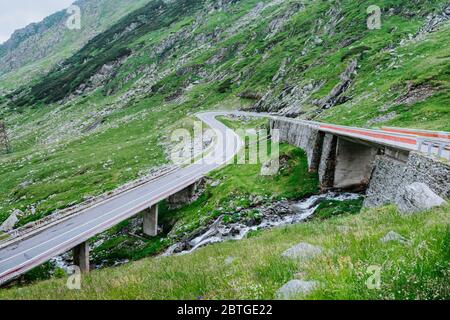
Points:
point(234, 227)
point(267, 216)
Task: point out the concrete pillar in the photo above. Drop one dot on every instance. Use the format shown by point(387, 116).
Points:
point(81, 257)
point(151, 221)
point(314, 148)
point(327, 165)
point(354, 164)
point(183, 197)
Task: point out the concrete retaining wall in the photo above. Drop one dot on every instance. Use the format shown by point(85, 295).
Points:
point(303, 136)
point(341, 164)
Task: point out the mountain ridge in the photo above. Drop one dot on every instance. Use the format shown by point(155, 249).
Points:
point(50, 41)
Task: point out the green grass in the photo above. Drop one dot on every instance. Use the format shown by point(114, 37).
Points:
point(109, 12)
point(351, 243)
point(3, 236)
point(331, 208)
point(375, 92)
point(238, 183)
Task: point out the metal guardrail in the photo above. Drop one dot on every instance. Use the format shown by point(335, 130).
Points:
point(37, 226)
point(426, 134)
point(434, 147)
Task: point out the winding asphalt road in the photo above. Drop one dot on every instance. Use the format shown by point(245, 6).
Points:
point(22, 255)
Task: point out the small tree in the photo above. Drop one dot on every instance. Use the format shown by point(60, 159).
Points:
point(4, 139)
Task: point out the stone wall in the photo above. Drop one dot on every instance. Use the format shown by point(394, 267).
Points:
point(391, 176)
point(435, 174)
point(386, 180)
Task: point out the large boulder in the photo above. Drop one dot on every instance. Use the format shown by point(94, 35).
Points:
point(9, 223)
point(295, 288)
point(417, 197)
point(302, 251)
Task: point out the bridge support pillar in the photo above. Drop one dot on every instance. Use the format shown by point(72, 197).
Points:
point(327, 165)
point(184, 196)
point(151, 221)
point(81, 257)
point(354, 164)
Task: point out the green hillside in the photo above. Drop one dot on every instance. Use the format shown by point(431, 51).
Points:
point(254, 269)
point(32, 51)
point(101, 117)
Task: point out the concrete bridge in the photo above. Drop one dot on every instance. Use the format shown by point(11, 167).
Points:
point(382, 161)
point(345, 158)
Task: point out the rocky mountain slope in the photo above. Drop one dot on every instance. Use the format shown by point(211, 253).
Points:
point(33, 50)
point(97, 119)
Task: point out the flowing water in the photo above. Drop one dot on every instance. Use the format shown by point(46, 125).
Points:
point(273, 215)
point(220, 231)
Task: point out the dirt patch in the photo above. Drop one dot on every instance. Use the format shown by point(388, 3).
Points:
point(416, 94)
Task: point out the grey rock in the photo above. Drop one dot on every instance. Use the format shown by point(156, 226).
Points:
point(277, 24)
point(336, 96)
point(278, 209)
point(215, 183)
point(302, 251)
point(430, 171)
point(394, 236)
point(229, 260)
point(382, 118)
point(270, 168)
point(9, 223)
point(295, 288)
point(291, 99)
point(256, 200)
point(433, 22)
point(25, 184)
point(263, 217)
point(417, 197)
